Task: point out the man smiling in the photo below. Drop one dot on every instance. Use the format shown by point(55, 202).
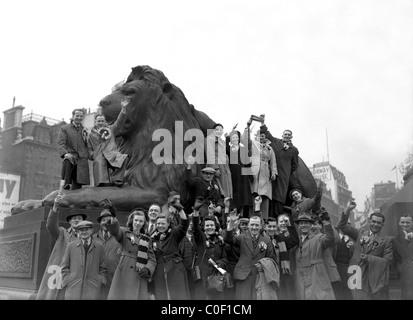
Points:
point(253, 246)
point(373, 254)
point(311, 277)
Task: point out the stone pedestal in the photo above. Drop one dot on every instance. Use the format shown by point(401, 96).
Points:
point(25, 249)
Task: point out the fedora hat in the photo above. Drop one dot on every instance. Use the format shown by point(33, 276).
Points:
point(104, 213)
point(84, 224)
point(304, 216)
point(72, 214)
point(208, 169)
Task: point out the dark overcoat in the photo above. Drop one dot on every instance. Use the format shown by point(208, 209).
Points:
point(287, 163)
point(403, 257)
point(170, 281)
point(216, 251)
point(74, 140)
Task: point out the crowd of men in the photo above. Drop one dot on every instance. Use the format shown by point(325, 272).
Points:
point(235, 242)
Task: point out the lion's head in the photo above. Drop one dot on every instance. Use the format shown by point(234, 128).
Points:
point(155, 104)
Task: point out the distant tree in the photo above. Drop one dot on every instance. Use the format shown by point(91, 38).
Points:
point(406, 167)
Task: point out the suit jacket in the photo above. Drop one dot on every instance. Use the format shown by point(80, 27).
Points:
point(248, 255)
point(403, 258)
point(380, 256)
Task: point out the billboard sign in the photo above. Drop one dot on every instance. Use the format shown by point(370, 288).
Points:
point(9, 193)
point(322, 173)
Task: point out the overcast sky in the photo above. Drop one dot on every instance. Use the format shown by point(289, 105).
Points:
point(339, 66)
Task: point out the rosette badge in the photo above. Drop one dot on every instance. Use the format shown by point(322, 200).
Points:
point(262, 246)
point(105, 133)
point(364, 240)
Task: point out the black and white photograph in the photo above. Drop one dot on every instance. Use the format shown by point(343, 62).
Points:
point(206, 156)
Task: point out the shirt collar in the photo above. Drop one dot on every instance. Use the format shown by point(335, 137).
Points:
point(87, 242)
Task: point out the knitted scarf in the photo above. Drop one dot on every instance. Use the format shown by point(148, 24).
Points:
point(284, 258)
point(143, 246)
point(283, 253)
point(210, 239)
point(161, 236)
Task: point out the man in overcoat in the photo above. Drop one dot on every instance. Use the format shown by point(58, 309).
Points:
point(84, 266)
point(50, 287)
point(403, 256)
point(286, 155)
point(312, 281)
point(112, 247)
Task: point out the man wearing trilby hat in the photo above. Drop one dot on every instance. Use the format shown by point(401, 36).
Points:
point(50, 286)
point(311, 277)
point(112, 247)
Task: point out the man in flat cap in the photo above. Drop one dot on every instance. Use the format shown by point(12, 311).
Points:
point(205, 187)
point(84, 266)
point(112, 248)
point(311, 278)
point(50, 286)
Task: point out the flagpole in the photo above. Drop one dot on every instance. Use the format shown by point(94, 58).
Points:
point(397, 179)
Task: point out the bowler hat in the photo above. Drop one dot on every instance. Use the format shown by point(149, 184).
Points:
point(208, 169)
point(84, 224)
point(304, 216)
point(72, 214)
point(104, 213)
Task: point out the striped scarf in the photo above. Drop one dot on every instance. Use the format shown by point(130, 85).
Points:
point(143, 245)
point(284, 258)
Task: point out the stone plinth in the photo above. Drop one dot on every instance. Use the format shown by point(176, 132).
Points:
point(25, 249)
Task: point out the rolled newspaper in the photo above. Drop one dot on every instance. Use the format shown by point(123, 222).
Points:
point(222, 271)
point(61, 186)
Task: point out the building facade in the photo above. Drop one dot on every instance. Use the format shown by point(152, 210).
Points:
point(28, 151)
point(336, 194)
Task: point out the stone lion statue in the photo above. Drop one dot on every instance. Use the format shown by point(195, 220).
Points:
point(155, 104)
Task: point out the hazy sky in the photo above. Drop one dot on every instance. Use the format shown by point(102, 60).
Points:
point(345, 67)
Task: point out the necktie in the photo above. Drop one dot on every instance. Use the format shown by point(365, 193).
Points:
point(254, 241)
point(105, 235)
point(151, 228)
point(86, 246)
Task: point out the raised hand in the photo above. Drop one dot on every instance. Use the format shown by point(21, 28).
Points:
point(198, 203)
point(190, 160)
point(324, 215)
point(352, 204)
point(177, 206)
point(57, 201)
point(124, 102)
